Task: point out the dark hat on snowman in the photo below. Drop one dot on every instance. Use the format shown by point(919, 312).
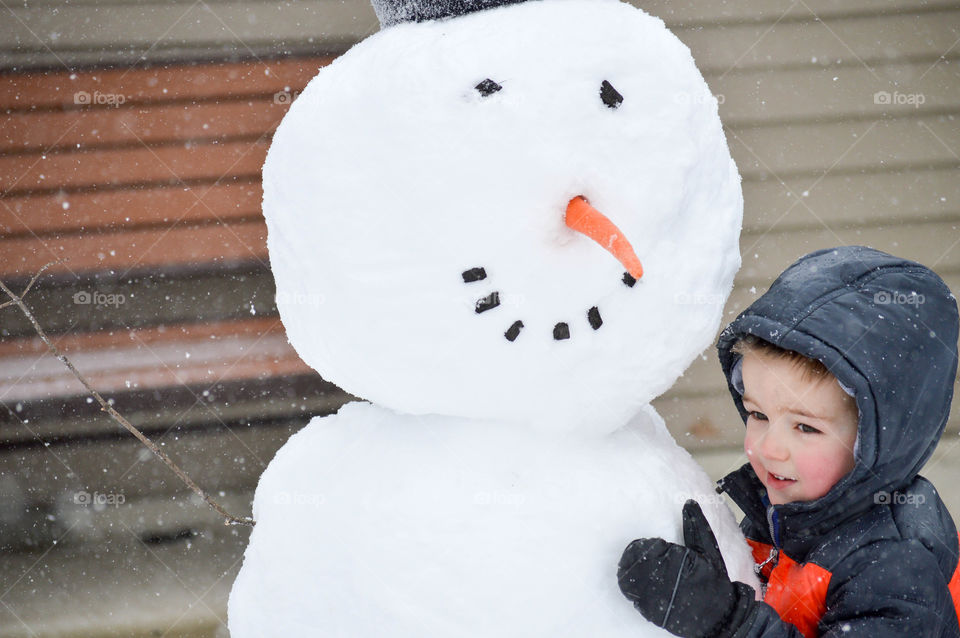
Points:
point(391, 12)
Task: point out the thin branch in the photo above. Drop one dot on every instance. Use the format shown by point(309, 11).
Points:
point(229, 519)
point(33, 280)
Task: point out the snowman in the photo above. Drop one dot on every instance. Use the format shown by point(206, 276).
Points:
point(507, 228)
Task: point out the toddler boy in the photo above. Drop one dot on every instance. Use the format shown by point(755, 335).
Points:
point(843, 372)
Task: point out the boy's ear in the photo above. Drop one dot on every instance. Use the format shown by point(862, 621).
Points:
point(699, 537)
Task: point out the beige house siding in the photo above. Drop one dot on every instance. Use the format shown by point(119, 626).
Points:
point(824, 159)
point(57, 33)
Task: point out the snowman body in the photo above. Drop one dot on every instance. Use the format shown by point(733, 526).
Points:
point(374, 523)
point(415, 198)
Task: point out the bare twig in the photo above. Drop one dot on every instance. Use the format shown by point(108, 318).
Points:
point(229, 519)
point(23, 294)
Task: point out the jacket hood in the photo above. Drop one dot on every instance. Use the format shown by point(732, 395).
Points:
point(887, 329)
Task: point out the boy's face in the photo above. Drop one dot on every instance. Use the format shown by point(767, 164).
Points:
point(800, 431)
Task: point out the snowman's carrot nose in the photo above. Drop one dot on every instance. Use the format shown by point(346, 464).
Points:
point(584, 218)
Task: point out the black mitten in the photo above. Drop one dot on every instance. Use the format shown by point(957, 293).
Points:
point(685, 589)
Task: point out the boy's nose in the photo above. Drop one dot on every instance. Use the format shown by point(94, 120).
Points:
point(772, 446)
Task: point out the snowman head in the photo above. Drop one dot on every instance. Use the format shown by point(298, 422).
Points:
point(426, 202)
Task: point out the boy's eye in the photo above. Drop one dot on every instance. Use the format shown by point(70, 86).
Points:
point(759, 416)
point(807, 429)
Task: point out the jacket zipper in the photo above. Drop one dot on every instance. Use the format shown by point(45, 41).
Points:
point(774, 554)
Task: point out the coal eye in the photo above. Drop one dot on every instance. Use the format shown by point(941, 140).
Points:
point(610, 96)
point(488, 87)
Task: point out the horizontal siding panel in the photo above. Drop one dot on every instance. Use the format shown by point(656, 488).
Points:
point(798, 204)
point(693, 12)
point(114, 210)
point(837, 200)
point(217, 458)
point(702, 421)
point(258, 405)
point(173, 246)
point(936, 245)
point(178, 82)
point(120, 371)
point(90, 32)
point(163, 164)
point(848, 146)
point(765, 255)
point(704, 375)
point(843, 201)
point(772, 96)
point(47, 130)
point(871, 40)
point(43, 60)
point(149, 337)
point(150, 358)
point(152, 27)
point(670, 10)
point(153, 297)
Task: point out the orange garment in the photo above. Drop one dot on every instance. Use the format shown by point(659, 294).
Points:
point(798, 591)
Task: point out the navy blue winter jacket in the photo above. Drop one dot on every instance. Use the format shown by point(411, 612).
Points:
point(877, 555)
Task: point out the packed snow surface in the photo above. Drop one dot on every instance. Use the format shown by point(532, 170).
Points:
point(492, 484)
point(373, 523)
point(392, 175)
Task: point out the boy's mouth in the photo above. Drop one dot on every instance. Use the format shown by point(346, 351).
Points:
point(779, 481)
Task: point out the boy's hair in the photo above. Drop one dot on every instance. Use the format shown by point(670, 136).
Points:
point(812, 370)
